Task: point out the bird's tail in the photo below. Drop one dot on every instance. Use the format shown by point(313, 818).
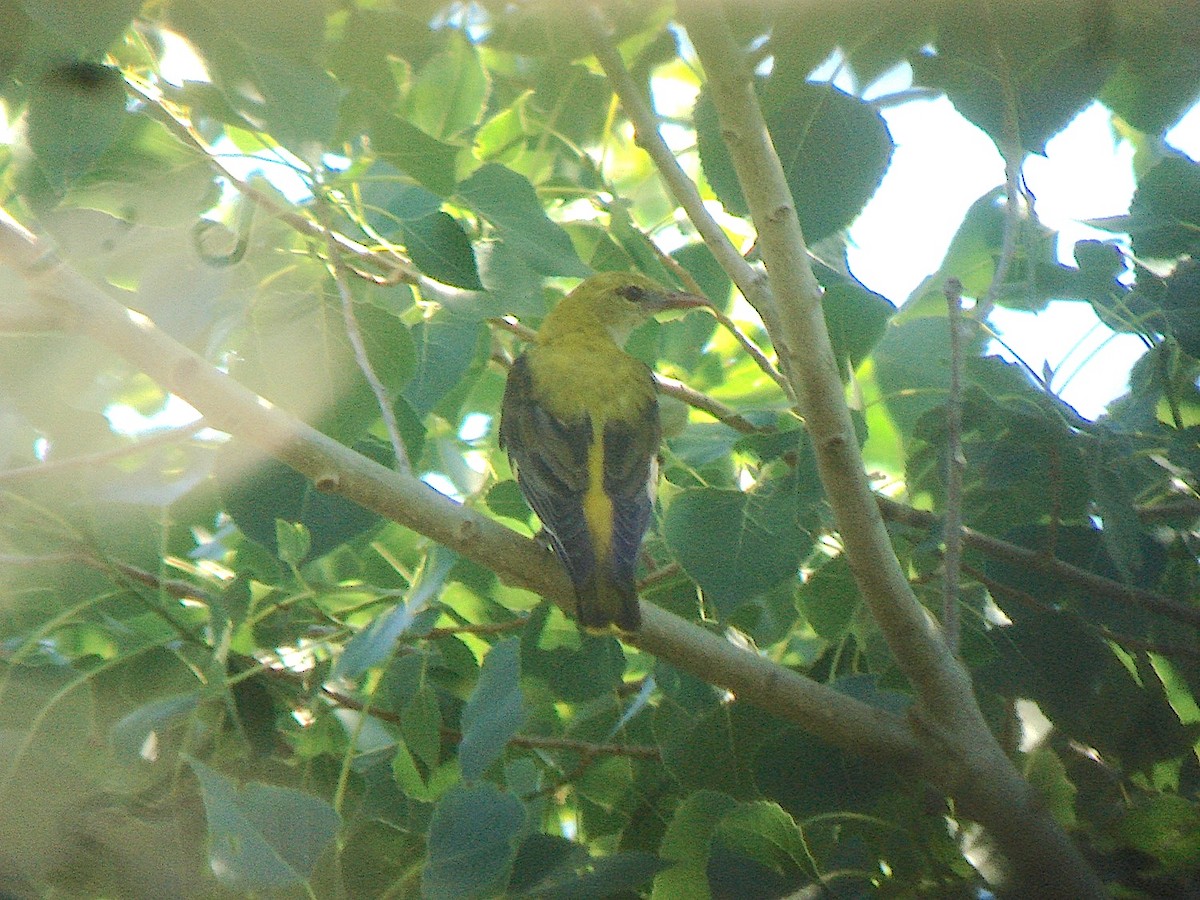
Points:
point(605, 601)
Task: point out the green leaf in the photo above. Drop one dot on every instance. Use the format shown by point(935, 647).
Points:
point(409, 779)
point(505, 499)
point(265, 60)
point(736, 544)
point(263, 837)
point(1035, 66)
point(376, 642)
point(259, 491)
point(687, 843)
point(509, 202)
point(871, 37)
point(75, 113)
point(298, 354)
point(293, 541)
point(495, 711)
point(553, 867)
point(1155, 82)
point(1167, 828)
point(1113, 490)
point(856, 318)
point(514, 288)
point(446, 349)
point(1164, 215)
point(80, 29)
point(1047, 775)
point(588, 666)
point(830, 599)
point(450, 91)
point(129, 735)
point(415, 153)
point(699, 750)
point(1086, 691)
point(440, 248)
point(763, 831)
point(473, 839)
point(912, 367)
point(834, 149)
point(421, 724)
point(836, 780)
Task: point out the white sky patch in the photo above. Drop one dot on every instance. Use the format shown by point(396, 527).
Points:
point(175, 413)
point(942, 164)
point(474, 427)
point(442, 485)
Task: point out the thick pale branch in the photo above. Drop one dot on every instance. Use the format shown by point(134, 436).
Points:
point(940, 683)
point(981, 778)
point(229, 406)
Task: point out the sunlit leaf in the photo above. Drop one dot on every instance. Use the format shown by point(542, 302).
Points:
point(262, 837)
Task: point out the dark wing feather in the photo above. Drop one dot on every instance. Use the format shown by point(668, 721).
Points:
point(629, 451)
point(550, 459)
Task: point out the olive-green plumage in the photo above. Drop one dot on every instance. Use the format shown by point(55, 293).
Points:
point(580, 423)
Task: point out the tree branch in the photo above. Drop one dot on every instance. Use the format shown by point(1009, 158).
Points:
point(985, 783)
point(338, 268)
point(956, 463)
point(754, 287)
point(1047, 564)
point(938, 680)
point(405, 499)
point(53, 468)
point(532, 741)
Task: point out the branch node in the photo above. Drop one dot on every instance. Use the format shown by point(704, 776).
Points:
point(468, 532)
point(185, 371)
point(780, 213)
point(328, 482)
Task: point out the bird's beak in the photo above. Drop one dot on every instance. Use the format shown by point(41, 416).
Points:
point(679, 300)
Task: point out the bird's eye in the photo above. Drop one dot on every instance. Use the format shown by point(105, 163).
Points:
point(633, 293)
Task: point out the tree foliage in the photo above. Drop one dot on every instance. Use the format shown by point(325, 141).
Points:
point(241, 657)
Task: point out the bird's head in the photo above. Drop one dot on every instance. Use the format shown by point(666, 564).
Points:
point(617, 302)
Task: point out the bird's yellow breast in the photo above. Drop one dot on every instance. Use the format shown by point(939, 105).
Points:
point(590, 375)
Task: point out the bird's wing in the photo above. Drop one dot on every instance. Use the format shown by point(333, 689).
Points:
point(630, 448)
point(550, 458)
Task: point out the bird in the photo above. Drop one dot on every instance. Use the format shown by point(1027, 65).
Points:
point(580, 424)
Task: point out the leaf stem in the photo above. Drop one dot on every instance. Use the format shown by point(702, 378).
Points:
point(956, 464)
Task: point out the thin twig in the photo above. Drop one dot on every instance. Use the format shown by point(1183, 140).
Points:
point(476, 628)
point(956, 464)
point(634, 751)
point(338, 267)
point(1037, 561)
point(751, 282)
point(998, 588)
point(172, 587)
point(752, 349)
point(56, 467)
point(397, 268)
point(1010, 149)
point(755, 353)
point(669, 386)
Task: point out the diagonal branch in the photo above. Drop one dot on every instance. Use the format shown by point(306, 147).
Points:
point(940, 683)
point(407, 500)
point(750, 281)
point(354, 333)
point(986, 785)
point(956, 463)
point(1050, 565)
